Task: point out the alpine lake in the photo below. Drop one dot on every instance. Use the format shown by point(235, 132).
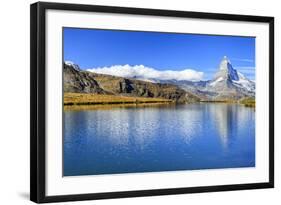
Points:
point(169, 137)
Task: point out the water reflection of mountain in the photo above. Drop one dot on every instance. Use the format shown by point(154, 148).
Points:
point(122, 126)
point(183, 137)
point(230, 120)
point(190, 121)
point(142, 126)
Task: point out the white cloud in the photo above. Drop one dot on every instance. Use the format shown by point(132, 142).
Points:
point(143, 72)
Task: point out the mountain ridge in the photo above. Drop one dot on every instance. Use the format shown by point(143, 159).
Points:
point(227, 84)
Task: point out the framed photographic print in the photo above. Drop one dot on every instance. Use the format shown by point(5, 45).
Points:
point(129, 102)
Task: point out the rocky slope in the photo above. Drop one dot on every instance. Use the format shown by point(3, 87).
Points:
point(79, 81)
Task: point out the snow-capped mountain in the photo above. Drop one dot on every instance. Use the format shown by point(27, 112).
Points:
point(227, 75)
point(227, 83)
point(226, 70)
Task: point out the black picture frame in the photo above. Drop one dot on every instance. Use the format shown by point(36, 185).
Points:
point(38, 101)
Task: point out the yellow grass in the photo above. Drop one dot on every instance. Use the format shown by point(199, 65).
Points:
point(114, 106)
point(74, 99)
point(248, 102)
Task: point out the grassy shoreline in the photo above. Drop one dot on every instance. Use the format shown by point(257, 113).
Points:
point(114, 106)
point(83, 101)
point(103, 99)
point(248, 102)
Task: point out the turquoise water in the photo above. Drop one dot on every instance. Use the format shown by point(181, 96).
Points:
point(163, 138)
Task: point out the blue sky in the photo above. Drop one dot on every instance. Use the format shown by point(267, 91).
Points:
point(91, 48)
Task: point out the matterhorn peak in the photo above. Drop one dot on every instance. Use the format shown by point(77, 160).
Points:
point(228, 80)
point(226, 71)
point(225, 64)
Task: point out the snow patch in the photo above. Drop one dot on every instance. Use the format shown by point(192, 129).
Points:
point(245, 83)
point(216, 81)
